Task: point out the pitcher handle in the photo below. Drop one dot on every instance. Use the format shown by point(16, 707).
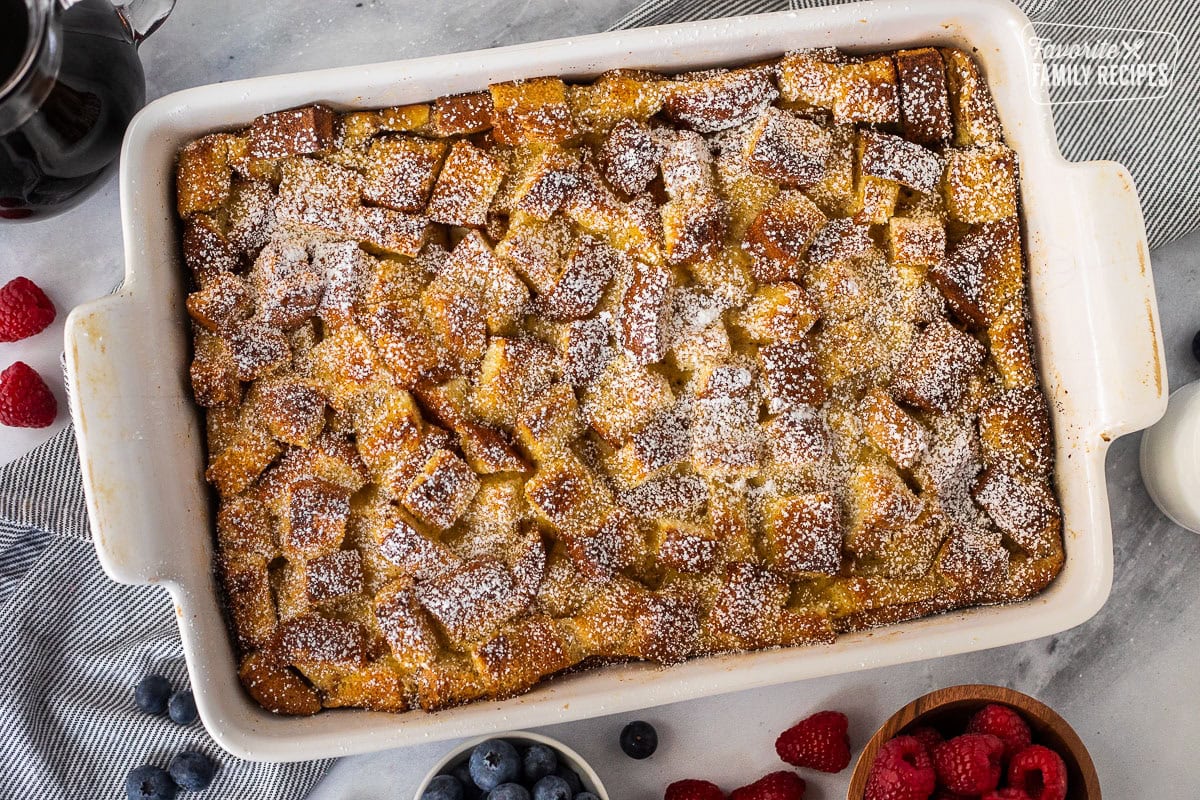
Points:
point(143, 17)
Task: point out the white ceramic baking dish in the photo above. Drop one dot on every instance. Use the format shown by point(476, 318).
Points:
point(141, 443)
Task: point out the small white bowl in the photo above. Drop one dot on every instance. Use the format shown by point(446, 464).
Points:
point(567, 756)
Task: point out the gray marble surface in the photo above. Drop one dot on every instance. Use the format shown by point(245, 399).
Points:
point(1127, 680)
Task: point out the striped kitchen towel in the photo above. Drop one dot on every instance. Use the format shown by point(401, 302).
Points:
point(74, 643)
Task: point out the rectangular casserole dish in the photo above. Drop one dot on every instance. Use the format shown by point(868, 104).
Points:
point(141, 439)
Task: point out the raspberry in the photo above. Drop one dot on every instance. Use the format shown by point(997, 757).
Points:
point(782, 785)
point(969, 764)
point(24, 310)
point(1006, 794)
point(927, 736)
point(25, 400)
point(902, 770)
point(1003, 723)
point(693, 790)
point(1040, 772)
point(819, 742)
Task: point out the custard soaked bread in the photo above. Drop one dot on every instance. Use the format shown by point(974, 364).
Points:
point(646, 368)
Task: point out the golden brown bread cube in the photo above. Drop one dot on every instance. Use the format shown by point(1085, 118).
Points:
point(247, 587)
point(203, 175)
point(568, 495)
point(936, 369)
point(298, 132)
point(601, 550)
point(1025, 509)
point(980, 185)
point(458, 114)
point(787, 148)
point(686, 546)
point(319, 195)
point(397, 330)
point(415, 555)
point(802, 534)
point(401, 171)
point(892, 429)
point(531, 110)
point(798, 439)
point(840, 239)
point(628, 158)
point(520, 654)
point(485, 448)
point(411, 117)
point(924, 98)
point(780, 235)
point(1014, 431)
point(747, 611)
point(792, 375)
point(662, 443)
point(277, 688)
point(1009, 343)
point(623, 398)
point(975, 119)
point(442, 490)
point(883, 155)
point(395, 233)
point(248, 453)
point(466, 185)
point(981, 272)
point(387, 428)
point(719, 99)
point(695, 218)
point(207, 251)
point(547, 426)
point(456, 318)
point(545, 184)
point(865, 91)
point(880, 504)
point(646, 312)
point(691, 352)
point(293, 410)
point(474, 269)
point(313, 638)
point(537, 249)
point(726, 438)
point(617, 94)
point(471, 602)
point(577, 290)
point(315, 523)
point(874, 199)
point(244, 528)
point(333, 575)
point(214, 373)
point(916, 241)
point(513, 373)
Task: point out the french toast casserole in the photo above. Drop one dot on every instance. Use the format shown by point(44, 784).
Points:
point(554, 374)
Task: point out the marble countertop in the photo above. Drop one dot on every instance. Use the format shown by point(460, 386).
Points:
point(1127, 679)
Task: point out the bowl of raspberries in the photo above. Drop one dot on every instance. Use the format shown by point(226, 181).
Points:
point(975, 742)
point(512, 766)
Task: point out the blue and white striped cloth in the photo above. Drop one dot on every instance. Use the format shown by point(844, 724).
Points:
point(72, 643)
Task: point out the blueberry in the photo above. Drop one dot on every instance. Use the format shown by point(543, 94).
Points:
point(443, 787)
point(462, 771)
point(552, 787)
point(151, 694)
point(540, 761)
point(494, 762)
point(192, 771)
point(639, 739)
point(586, 796)
point(568, 775)
point(149, 783)
point(509, 791)
point(182, 708)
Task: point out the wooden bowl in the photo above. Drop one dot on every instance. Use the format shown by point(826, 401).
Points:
point(949, 709)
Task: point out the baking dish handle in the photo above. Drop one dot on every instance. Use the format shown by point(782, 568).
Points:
point(1126, 332)
point(112, 363)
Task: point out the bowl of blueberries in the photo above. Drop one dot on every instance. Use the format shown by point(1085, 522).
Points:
point(512, 766)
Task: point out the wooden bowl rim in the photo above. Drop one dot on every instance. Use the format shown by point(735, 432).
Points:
point(983, 693)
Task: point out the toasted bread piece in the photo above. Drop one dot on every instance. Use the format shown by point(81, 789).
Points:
point(880, 504)
point(661, 444)
point(485, 448)
point(214, 372)
point(916, 241)
point(981, 272)
point(802, 535)
point(686, 547)
point(615, 95)
point(1025, 509)
point(474, 271)
point(792, 375)
point(975, 119)
point(401, 171)
point(586, 350)
point(459, 114)
point(781, 234)
point(892, 429)
point(748, 609)
point(865, 91)
point(316, 517)
point(513, 373)
point(520, 654)
point(1009, 343)
point(628, 159)
point(293, 410)
point(936, 370)
point(550, 423)
point(277, 688)
point(537, 249)
point(577, 290)
point(299, 132)
point(809, 78)
point(405, 626)
point(465, 186)
point(693, 351)
point(247, 587)
point(646, 313)
point(798, 439)
point(874, 199)
point(980, 185)
point(623, 398)
point(778, 312)
point(203, 176)
point(397, 330)
point(924, 97)
point(787, 148)
point(544, 185)
point(333, 576)
point(415, 555)
point(441, 492)
point(1014, 430)
point(719, 99)
point(319, 195)
point(207, 251)
point(531, 110)
point(695, 218)
point(883, 155)
point(726, 440)
point(840, 239)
